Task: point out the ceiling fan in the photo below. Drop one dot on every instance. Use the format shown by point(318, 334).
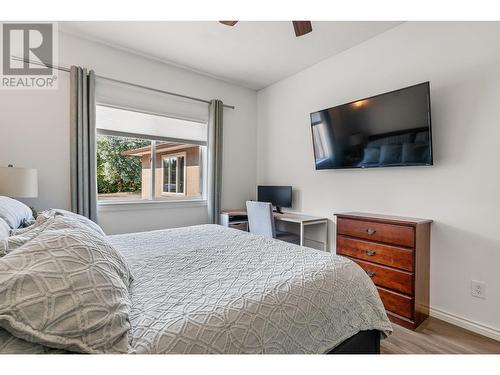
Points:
point(300, 27)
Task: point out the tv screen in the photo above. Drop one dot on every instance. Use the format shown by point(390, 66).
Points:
point(387, 130)
point(279, 196)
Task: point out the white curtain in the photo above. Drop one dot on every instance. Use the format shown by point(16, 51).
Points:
point(83, 160)
point(215, 125)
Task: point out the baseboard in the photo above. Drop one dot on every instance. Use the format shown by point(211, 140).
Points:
point(467, 324)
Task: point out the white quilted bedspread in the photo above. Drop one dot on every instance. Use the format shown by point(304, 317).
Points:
point(210, 289)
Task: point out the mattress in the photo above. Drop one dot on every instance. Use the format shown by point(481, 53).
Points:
point(212, 289)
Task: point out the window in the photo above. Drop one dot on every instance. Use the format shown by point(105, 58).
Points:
point(173, 174)
point(153, 165)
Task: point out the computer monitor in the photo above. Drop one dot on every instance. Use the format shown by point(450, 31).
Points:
point(278, 196)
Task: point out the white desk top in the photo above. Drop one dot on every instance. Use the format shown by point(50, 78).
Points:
point(286, 216)
point(298, 218)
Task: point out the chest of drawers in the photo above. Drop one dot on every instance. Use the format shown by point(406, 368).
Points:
point(395, 252)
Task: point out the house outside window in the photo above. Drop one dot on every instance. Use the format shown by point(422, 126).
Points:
point(125, 162)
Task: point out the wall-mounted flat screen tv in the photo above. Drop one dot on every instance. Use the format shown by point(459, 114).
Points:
point(387, 130)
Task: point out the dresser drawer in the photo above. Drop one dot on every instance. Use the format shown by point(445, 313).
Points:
point(377, 253)
point(386, 277)
point(397, 303)
point(395, 252)
point(380, 232)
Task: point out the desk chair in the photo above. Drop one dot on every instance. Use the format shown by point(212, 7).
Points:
point(261, 221)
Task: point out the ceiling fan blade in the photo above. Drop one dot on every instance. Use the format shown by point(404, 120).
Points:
point(229, 23)
point(302, 27)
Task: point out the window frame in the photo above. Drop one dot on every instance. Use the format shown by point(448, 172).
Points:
point(177, 198)
point(175, 155)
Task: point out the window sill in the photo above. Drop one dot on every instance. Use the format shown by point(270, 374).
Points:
point(107, 206)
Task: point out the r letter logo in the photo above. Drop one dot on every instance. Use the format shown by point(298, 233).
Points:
point(28, 56)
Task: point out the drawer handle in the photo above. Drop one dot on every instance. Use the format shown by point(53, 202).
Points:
point(370, 273)
point(371, 231)
point(370, 252)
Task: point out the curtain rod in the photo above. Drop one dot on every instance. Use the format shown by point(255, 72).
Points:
point(64, 69)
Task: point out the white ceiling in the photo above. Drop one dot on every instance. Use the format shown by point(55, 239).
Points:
point(253, 54)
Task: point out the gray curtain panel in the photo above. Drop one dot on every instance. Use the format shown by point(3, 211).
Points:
point(83, 141)
point(215, 122)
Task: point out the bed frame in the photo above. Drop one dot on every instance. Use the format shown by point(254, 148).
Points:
point(363, 342)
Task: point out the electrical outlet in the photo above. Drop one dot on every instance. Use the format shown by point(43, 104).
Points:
point(478, 289)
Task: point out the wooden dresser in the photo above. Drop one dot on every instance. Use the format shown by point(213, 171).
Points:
point(395, 252)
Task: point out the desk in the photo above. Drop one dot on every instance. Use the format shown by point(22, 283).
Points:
point(238, 219)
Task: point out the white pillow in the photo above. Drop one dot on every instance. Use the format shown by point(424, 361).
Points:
point(15, 213)
point(82, 219)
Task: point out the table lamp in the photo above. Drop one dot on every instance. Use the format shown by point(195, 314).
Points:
point(18, 182)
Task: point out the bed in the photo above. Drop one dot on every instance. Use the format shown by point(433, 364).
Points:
point(233, 292)
point(212, 289)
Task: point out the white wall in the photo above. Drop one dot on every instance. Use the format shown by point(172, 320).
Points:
point(34, 132)
point(460, 192)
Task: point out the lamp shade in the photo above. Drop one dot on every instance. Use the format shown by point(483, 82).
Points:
point(18, 182)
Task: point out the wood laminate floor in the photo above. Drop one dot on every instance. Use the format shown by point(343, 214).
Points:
point(437, 337)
